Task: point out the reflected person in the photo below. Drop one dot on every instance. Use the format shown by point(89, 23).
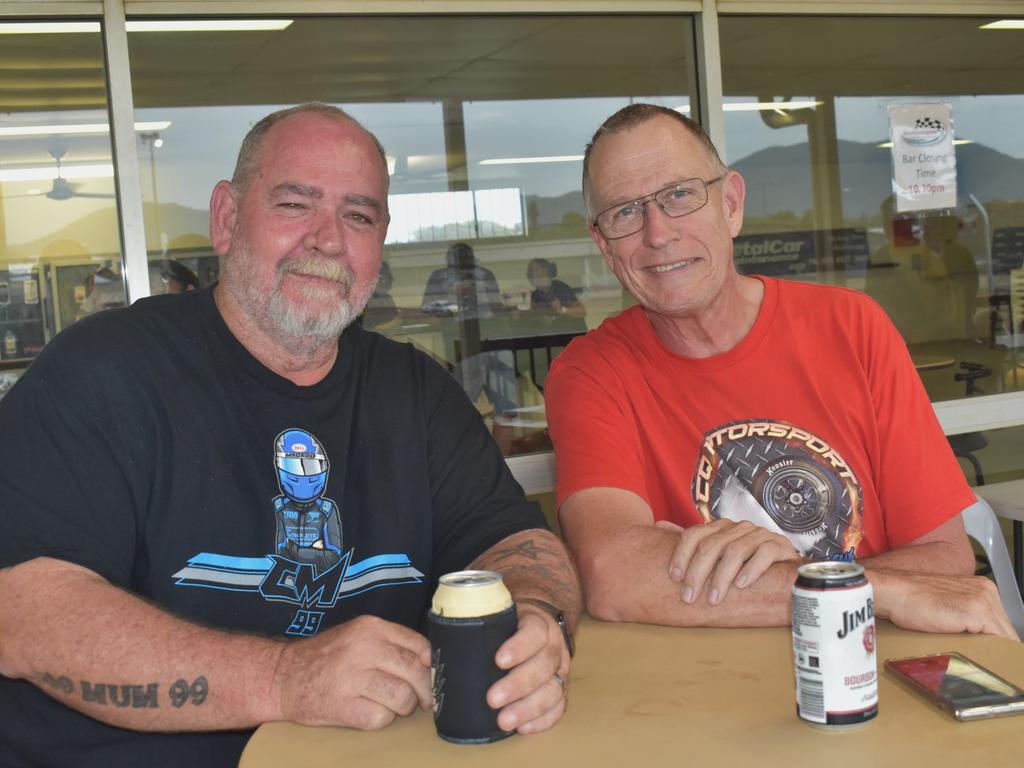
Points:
point(381, 313)
point(462, 287)
point(552, 299)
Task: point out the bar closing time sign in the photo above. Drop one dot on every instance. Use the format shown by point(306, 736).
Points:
point(923, 158)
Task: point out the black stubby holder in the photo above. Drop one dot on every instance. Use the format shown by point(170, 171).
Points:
point(462, 654)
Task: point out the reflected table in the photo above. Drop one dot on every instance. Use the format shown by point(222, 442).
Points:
point(644, 695)
point(931, 362)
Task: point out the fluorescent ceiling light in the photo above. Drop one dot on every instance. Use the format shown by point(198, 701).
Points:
point(958, 142)
point(48, 27)
point(209, 25)
point(77, 129)
point(1004, 24)
point(528, 160)
point(49, 172)
point(764, 106)
point(173, 25)
point(757, 106)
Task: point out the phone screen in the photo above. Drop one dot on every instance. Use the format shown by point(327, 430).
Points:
point(957, 680)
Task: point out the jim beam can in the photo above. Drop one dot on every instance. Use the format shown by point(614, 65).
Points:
point(471, 616)
point(834, 646)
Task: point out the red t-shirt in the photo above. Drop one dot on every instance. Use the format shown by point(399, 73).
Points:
point(816, 425)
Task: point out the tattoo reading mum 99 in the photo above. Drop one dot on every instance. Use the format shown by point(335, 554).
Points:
point(147, 696)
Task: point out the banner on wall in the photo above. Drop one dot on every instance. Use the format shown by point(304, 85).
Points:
point(785, 254)
point(923, 158)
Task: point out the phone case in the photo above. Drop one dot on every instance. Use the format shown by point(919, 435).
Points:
point(958, 685)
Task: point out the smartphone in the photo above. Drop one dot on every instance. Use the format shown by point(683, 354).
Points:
point(959, 686)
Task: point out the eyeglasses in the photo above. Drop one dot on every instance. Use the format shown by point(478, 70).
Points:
point(679, 199)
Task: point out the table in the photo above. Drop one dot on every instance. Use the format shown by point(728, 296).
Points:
point(645, 695)
point(931, 362)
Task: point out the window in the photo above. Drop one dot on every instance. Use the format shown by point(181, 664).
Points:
point(60, 253)
point(807, 110)
point(488, 264)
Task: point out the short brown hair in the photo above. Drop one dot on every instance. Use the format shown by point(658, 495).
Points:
point(252, 144)
point(630, 117)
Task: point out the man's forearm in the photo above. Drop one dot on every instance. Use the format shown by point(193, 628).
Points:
point(889, 572)
point(630, 582)
point(114, 657)
point(932, 558)
point(535, 564)
point(917, 587)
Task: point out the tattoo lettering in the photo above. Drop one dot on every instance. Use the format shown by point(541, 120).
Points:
point(121, 696)
point(181, 692)
point(62, 683)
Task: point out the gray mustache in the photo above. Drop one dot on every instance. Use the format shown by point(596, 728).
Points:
point(327, 269)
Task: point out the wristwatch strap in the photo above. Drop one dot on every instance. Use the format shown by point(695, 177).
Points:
point(559, 617)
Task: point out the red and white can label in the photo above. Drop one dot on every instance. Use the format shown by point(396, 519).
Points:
point(834, 654)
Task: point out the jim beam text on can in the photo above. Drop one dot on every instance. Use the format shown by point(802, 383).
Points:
point(834, 645)
point(471, 616)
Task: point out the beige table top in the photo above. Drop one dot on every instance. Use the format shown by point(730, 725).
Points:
point(643, 695)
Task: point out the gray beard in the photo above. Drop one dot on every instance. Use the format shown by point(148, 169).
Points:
point(289, 323)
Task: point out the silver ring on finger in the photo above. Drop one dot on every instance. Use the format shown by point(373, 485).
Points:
point(559, 679)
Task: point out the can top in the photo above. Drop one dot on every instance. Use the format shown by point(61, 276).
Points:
point(470, 594)
point(831, 571)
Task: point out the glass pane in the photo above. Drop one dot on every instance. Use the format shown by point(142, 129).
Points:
point(991, 456)
point(820, 195)
point(60, 252)
point(488, 264)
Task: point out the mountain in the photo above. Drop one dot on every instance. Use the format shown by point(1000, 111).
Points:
point(779, 178)
point(545, 211)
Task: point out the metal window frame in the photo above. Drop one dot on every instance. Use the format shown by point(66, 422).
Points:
point(121, 104)
point(535, 471)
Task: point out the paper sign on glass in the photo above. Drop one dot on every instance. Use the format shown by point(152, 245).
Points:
point(923, 158)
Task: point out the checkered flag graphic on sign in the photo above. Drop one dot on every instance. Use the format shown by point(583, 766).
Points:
point(927, 122)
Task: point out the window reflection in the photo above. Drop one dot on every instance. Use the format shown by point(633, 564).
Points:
point(59, 245)
point(819, 178)
point(484, 121)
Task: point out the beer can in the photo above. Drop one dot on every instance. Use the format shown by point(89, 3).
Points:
point(834, 646)
point(472, 614)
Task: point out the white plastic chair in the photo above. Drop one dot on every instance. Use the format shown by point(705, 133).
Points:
point(982, 525)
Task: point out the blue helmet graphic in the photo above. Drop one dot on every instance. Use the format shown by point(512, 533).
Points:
point(301, 465)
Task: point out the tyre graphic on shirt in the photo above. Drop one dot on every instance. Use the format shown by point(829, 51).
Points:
point(784, 479)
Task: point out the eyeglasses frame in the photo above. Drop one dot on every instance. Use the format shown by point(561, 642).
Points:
point(653, 197)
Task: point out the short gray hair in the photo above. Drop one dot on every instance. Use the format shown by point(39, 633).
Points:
point(634, 115)
point(250, 153)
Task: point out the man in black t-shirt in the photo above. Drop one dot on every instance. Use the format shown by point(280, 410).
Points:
point(232, 506)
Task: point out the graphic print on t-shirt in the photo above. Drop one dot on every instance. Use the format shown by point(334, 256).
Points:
point(308, 528)
point(308, 567)
point(782, 478)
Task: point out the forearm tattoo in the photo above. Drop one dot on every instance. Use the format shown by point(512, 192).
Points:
point(538, 564)
point(129, 695)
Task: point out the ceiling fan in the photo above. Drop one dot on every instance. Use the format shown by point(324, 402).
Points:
point(62, 189)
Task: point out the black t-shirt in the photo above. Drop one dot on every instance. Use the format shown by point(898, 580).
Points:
point(145, 444)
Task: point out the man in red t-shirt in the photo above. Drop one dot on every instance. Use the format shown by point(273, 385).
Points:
point(729, 428)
